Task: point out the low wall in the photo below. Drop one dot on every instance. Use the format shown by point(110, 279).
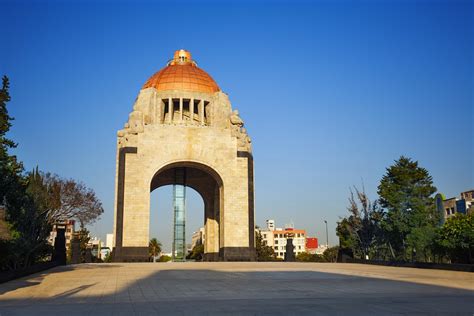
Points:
point(11, 275)
point(422, 265)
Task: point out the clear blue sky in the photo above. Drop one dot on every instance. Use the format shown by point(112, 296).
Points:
point(331, 92)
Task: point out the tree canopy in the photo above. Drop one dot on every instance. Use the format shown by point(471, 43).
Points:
point(406, 192)
point(264, 252)
point(34, 201)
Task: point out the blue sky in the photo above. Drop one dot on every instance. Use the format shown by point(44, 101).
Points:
point(331, 92)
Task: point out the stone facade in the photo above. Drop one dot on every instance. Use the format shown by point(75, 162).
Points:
point(200, 132)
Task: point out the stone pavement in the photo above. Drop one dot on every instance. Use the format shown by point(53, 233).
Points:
point(230, 288)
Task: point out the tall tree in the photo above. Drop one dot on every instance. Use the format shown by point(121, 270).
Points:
point(405, 192)
point(154, 248)
point(360, 231)
point(72, 200)
point(10, 168)
point(264, 252)
point(66, 199)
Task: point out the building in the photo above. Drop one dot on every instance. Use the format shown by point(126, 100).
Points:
point(95, 244)
point(278, 237)
point(451, 206)
point(311, 245)
point(70, 229)
point(198, 238)
point(183, 131)
point(109, 241)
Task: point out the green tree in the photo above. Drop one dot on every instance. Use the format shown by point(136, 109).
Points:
point(264, 252)
point(35, 201)
point(330, 254)
point(344, 231)
point(197, 252)
point(164, 258)
point(83, 235)
point(154, 248)
point(22, 199)
point(455, 239)
point(409, 223)
point(308, 257)
point(11, 180)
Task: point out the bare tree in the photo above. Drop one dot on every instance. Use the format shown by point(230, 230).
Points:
point(71, 200)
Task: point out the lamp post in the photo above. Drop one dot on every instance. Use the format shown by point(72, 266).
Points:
point(327, 238)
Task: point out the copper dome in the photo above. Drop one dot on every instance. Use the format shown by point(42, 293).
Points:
point(182, 73)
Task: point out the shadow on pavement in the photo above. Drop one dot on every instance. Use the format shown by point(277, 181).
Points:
point(148, 289)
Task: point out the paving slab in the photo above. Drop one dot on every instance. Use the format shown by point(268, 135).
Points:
point(244, 288)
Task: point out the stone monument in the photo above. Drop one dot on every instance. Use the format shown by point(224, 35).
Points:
point(182, 121)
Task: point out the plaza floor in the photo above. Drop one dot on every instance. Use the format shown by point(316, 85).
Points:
point(229, 288)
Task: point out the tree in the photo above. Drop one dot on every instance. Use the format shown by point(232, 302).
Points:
point(34, 201)
point(164, 258)
point(455, 239)
point(308, 257)
point(197, 252)
point(360, 232)
point(83, 236)
point(19, 196)
point(405, 192)
point(154, 248)
point(264, 252)
point(330, 254)
point(69, 199)
point(10, 168)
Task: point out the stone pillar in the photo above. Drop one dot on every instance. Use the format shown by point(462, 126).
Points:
point(211, 243)
point(88, 255)
point(59, 254)
point(181, 109)
point(75, 251)
point(170, 110)
point(201, 112)
point(289, 254)
point(191, 110)
point(161, 111)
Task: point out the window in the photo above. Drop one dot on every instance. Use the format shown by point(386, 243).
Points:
point(196, 109)
point(276, 247)
point(166, 107)
point(276, 242)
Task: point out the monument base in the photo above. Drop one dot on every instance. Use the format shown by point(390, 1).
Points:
point(237, 254)
point(130, 254)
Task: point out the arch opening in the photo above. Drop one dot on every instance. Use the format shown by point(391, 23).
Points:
point(161, 218)
point(208, 184)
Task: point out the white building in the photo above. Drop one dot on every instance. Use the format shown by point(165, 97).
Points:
point(198, 237)
point(277, 238)
point(109, 241)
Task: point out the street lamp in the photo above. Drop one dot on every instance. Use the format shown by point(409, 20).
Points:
point(327, 238)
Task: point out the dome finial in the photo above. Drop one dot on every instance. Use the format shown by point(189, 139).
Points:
point(182, 56)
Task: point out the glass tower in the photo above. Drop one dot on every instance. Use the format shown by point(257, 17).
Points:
point(179, 206)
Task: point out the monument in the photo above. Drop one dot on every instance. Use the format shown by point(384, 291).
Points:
point(183, 132)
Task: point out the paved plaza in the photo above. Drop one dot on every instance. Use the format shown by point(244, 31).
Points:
point(230, 288)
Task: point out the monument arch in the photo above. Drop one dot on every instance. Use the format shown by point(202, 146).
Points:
point(182, 130)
